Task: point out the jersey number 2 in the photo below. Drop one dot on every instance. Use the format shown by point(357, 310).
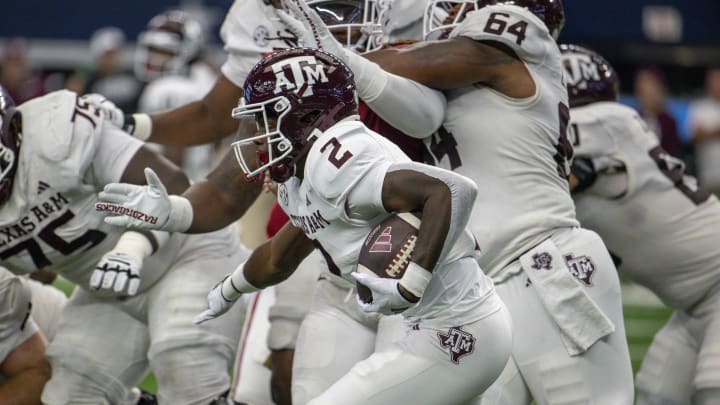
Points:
point(333, 157)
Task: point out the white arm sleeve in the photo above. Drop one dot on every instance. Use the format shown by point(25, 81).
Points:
point(409, 106)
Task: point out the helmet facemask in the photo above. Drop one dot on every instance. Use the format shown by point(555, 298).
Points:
point(358, 24)
point(442, 16)
point(268, 116)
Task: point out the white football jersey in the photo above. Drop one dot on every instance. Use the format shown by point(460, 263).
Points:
point(251, 30)
point(665, 230)
point(510, 147)
point(65, 159)
point(339, 201)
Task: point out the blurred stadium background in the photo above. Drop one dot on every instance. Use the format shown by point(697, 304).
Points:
point(676, 39)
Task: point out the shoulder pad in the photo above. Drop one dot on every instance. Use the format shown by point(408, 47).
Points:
point(339, 159)
point(513, 26)
point(55, 129)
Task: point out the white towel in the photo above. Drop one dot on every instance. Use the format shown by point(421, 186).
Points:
point(580, 320)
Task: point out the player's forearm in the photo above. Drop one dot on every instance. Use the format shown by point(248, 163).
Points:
point(188, 125)
point(25, 387)
point(214, 208)
point(446, 65)
point(275, 260)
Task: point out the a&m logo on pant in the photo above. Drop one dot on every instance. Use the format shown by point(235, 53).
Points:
point(582, 268)
point(459, 342)
point(542, 261)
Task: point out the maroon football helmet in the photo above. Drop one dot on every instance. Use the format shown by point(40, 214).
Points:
point(10, 138)
point(443, 15)
point(293, 95)
point(589, 77)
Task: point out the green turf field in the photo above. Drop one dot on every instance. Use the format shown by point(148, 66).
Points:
point(644, 315)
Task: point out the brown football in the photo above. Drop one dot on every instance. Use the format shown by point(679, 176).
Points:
point(387, 249)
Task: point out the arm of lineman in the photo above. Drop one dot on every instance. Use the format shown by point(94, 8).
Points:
point(199, 122)
point(206, 206)
point(269, 264)
point(405, 104)
point(119, 269)
point(27, 370)
point(412, 187)
point(444, 65)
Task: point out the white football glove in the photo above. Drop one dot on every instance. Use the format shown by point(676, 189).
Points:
point(145, 207)
point(115, 271)
point(119, 269)
point(386, 298)
point(217, 304)
point(315, 33)
point(110, 111)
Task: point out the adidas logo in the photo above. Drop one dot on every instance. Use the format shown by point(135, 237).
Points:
point(42, 186)
point(383, 243)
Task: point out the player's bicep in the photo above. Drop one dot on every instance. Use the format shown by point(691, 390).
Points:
point(408, 190)
point(173, 177)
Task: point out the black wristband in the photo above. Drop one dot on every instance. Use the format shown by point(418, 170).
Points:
point(584, 170)
point(129, 124)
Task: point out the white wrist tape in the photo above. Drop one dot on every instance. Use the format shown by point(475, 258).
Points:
point(143, 126)
point(134, 244)
point(370, 79)
point(236, 285)
point(181, 214)
point(415, 279)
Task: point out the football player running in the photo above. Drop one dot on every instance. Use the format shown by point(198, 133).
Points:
point(338, 179)
point(136, 291)
point(661, 226)
point(505, 127)
point(253, 28)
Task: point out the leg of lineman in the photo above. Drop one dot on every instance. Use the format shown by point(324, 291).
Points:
point(682, 363)
point(334, 336)
point(541, 365)
point(192, 363)
point(667, 371)
point(98, 354)
point(420, 370)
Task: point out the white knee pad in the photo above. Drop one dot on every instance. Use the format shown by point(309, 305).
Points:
point(191, 374)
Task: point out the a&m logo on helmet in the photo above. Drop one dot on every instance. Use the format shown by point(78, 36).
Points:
point(304, 72)
point(580, 69)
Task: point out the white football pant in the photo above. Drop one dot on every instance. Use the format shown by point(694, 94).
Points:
point(104, 347)
point(540, 367)
point(684, 358)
